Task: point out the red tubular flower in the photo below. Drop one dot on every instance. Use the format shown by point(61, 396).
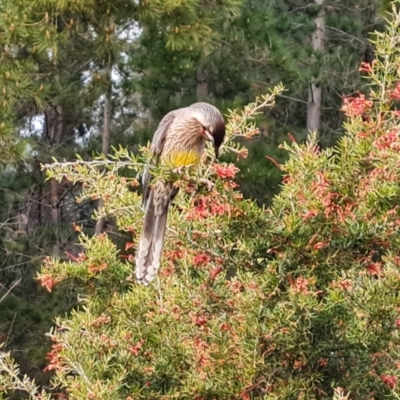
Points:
point(215, 272)
point(353, 106)
point(201, 260)
point(94, 268)
point(48, 282)
point(102, 320)
point(320, 245)
point(135, 349)
point(366, 67)
point(200, 209)
point(388, 141)
point(129, 245)
point(228, 172)
point(54, 358)
point(395, 93)
point(242, 153)
point(389, 380)
point(177, 254)
point(220, 209)
point(374, 269)
point(309, 214)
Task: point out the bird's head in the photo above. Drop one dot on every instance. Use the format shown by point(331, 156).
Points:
point(212, 123)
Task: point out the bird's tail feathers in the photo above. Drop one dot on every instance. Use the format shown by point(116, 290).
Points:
point(151, 242)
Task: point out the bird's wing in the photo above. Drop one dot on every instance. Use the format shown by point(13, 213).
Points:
point(156, 149)
point(158, 141)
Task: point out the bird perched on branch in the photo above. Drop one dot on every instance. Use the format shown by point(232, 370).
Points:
point(179, 141)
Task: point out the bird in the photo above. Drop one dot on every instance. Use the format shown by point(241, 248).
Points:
point(178, 141)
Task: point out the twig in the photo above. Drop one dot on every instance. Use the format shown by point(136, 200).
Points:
point(11, 288)
point(346, 34)
point(9, 331)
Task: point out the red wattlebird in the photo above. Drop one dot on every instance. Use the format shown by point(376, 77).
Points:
point(179, 141)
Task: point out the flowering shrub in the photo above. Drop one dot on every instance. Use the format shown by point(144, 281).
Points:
point(296, 301)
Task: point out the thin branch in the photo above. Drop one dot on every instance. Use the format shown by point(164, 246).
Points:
point(9, 331)
point(291, 98)
point(94, 164)
point(11, 288)
point(66, 193)
point(346, 34)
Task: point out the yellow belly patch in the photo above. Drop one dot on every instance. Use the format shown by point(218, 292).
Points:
point(181, 158)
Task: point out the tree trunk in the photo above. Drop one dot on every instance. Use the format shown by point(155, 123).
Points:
point(105, 144)
point(54, 131)
point(315, 90)
point(202, 85)
point(55, 213)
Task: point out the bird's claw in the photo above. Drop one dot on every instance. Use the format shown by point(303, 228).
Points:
point(208, 183)
point(178, 170)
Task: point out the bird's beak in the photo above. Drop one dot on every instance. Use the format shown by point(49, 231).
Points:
point(210, 138)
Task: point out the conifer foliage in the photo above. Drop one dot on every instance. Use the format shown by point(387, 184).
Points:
point(296, 301)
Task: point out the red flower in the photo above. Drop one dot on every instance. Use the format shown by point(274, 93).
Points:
point(136, 348)
point(129, 245)
point(323, 362)
point(226, 172)
point(353, 106)
point(235, 286)
point(345, 284)
point(320, 245)
point(374, 268)
point(47, 281)
point(365, 67)
point(174, 255)
point(388, 141)
point(198, 320)
point(56, 362)
point(292, 138)
point(389, 380)
point(102, 320)
point(300, 285)
point(242, 153)
point(225, 327)
point(129, 257)
point(77, 228)
point(220, 209)
point(395, 93)
point(200, 210)
point(201, 260)
point(93, 268)
point(361, 135)
point(215, 272)
point(309, 214)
